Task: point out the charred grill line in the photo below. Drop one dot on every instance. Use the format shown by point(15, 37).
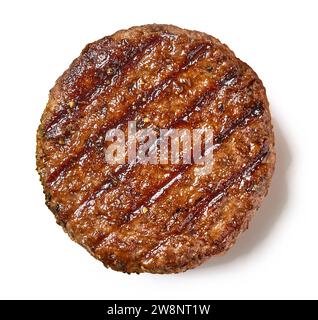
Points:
point(157, 194)
point(151, 95)
point(218, 194)
point(256, 111)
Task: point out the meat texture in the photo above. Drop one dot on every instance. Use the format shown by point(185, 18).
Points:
point(155, 218)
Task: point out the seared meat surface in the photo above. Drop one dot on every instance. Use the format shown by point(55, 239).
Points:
point(144, 217)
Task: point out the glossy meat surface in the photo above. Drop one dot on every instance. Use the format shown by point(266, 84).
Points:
point(155, 218)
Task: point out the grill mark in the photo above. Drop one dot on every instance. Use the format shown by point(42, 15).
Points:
point(255, 111)
point(157, 195)
point(213, 198)
point(217, 195)
point(244, 120)
point(195, 55)
point(126, 64)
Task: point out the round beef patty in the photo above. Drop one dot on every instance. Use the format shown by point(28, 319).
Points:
point(158, 218)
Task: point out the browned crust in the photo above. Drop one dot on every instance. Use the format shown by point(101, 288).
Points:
point(100, 206)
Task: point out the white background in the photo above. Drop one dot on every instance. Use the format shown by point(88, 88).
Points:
point(276, 258)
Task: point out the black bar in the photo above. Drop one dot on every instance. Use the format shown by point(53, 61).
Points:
point(155, 309)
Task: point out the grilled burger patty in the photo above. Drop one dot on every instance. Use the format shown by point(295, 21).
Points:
point(145, 217)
